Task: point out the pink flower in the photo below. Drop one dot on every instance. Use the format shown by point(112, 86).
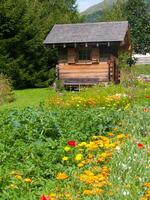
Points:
point(72, 143)
point(43, 197)
point(140, 146)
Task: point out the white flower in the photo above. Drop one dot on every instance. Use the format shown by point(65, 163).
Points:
point(125, 193)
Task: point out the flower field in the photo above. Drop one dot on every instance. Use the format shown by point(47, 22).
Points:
point(88, 145)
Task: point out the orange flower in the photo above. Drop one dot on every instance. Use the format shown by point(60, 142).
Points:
point(28, 180)
point(147, 184)
point(61, 176)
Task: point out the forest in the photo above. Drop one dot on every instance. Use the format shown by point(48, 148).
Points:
point(24, 25)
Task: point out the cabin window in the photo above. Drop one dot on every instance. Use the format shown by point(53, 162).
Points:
point(84, 54)
point(62, 53)
point(104, 57)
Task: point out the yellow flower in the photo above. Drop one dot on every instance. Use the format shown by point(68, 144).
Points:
point(93, 192)
point(19, 177)
point(88, 192)
point(61, 176)
point(52, 196)
point(127, 106)
point(67, 148)
point(15, 173)
point(80, 165)
point(28, 180)
point(65, 158)
point(92, 146)
point(82, 144)
point(121, 136)
point(143, 198)
point(13, 186)
point(78, 157)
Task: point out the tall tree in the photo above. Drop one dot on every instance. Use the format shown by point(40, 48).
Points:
point(24, 25)
point(139, 20)
point(114, 13)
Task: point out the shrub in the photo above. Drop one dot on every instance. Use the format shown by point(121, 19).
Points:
point(6, 93)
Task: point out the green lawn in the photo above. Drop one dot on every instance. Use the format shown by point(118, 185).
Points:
point(29, 97)
point(141, 69)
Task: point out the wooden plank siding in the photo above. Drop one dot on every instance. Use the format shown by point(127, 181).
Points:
point(99, 71)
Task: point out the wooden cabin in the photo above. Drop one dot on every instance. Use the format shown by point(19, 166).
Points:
point(88, 52)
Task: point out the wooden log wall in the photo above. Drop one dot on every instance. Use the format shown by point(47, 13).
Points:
point(85, 71)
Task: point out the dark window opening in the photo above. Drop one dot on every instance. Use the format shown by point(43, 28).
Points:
point(85, 54)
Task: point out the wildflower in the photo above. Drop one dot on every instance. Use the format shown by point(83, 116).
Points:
point(78, 157)
point(127, 106)
point(61, 176)
point(92, 146)
point(121, 136)
point(15, 173)
point(88, 192)
point(13, 186)
point(147, 184)
point(72, 143)
point(140, 145)
point(118, 149)
point(43, 197)
point(148, 97)
point(110, 134)
point(147, 194)
point(67, 148)
point(145, 110)
point(125, 193)
point(65, 158)
point(28, 180)
point(19, 177)
point(82, 144)
point(80, 165)
point(52, 196)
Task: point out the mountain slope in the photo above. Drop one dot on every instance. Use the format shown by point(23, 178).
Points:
point(93, 12)
point(98, 7)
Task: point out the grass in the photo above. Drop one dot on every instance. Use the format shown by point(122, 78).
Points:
point(141, 69)
point(29, 97)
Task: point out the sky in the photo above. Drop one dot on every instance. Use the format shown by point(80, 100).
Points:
point(84, 4)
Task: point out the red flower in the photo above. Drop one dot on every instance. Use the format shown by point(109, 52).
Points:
point(148, 97)
point(140, 146)
point(43, 197)
point(72, 143)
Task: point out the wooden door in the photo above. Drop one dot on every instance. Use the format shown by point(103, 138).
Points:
point(95, 55)
point(71, 55)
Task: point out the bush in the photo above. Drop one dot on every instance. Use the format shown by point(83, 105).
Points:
point(6, 93)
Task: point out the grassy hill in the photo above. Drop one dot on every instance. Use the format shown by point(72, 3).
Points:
point(93, 12)
point(98, 7)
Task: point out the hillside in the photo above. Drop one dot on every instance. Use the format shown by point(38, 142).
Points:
point(98, 7)
point(93, 12)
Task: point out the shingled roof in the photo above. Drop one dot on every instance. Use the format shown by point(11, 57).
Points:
point(87, 32)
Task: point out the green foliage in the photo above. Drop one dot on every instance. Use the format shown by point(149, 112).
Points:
point(6, 92)
point(59, 85)
point(123, 60)
point(139, 21)
point(32, 142)
point(114, 13)
point(24, 25)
